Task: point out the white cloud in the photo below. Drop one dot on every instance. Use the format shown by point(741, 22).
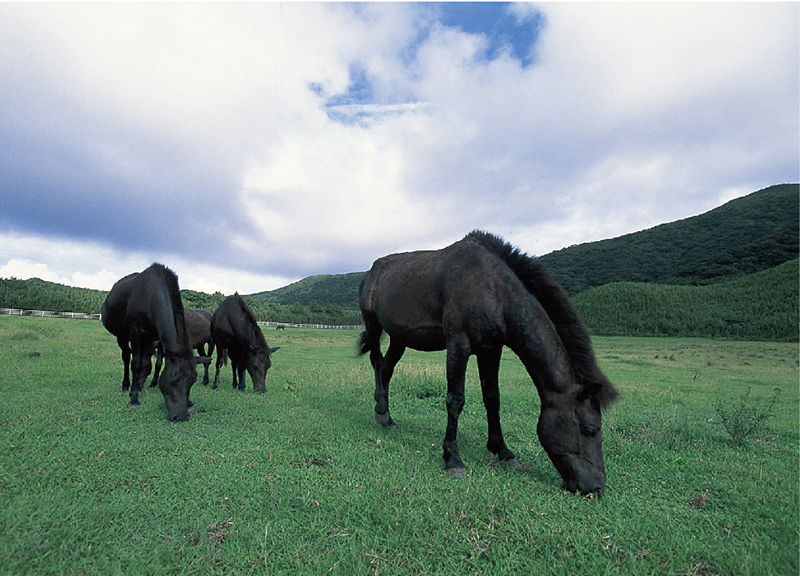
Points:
point(192, 135)
point(91, 265)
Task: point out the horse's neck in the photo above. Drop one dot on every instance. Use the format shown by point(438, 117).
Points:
point(536, 342)
point(173, 336)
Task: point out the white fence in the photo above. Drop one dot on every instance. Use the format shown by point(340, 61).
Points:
point(85, 316)
point(285, 325)
point(48, 314)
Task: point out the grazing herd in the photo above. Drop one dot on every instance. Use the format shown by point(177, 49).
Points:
point(145, 312)
point(471, 298)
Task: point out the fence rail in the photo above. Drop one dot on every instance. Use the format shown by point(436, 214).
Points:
point(48, 314)
point(327, 326)
point(85, 316)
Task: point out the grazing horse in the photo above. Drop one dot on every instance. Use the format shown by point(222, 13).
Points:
point(234, 329)
point(198, 323)
point(155, 313)
point(113, 315)
point(474, 297)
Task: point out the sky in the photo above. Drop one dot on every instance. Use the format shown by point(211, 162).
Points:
point(250, 145)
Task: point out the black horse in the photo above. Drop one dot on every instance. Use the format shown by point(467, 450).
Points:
point(235, 330)
point(114, 317)
point(155, 313)
point(198, 324)
point(474, 297)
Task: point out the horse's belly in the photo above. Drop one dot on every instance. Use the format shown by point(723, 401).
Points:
point(423, 338)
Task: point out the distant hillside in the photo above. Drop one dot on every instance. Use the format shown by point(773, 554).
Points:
point(325, 289)
point(36, 294)
point(761, 306)
point(742, 237)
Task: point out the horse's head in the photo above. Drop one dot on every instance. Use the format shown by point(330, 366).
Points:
point(570, 430)
point(175, 382)
point(258, 362)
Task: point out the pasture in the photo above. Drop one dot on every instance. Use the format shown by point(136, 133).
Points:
point(302, 480)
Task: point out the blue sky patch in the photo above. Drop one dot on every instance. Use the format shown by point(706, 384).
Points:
point(506, 34)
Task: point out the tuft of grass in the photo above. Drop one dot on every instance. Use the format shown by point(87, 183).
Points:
point(744, 419)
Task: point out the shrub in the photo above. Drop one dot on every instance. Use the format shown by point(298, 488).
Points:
point(742, 420)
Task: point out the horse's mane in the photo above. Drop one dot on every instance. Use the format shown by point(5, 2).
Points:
point(171, 281)
point(253, 323)
point(538, 279)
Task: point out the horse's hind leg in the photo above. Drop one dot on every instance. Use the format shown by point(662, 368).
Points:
point(222, 354)
point(488, 368)
point(384, 368)
point(126, 361)
point(201, 351)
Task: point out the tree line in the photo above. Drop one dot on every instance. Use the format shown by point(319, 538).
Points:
point(762, 306)
point(35, 294)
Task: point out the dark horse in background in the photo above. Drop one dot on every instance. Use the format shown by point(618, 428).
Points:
point(235, 330)
point(198, 324)
point(474, 297)
point(154, 313)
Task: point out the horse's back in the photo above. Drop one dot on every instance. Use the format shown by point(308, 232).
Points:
point(198, 324)
point(234, 326)
point(423, 298)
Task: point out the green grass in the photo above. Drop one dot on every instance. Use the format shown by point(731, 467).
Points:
point(302, 480)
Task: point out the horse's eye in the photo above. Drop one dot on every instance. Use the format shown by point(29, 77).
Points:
point(590, 431)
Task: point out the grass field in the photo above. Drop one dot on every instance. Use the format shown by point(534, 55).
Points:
point(301, 480)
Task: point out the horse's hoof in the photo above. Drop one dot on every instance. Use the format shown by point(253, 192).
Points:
point(458, 472)
point(134, 404)
point(385, 420)
point(512, 463)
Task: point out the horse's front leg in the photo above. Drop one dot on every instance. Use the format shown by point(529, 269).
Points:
point(242, 381)
point(140, 368)
point(159, 352)
point(488, 368)
point(234, 369)
point(457, 357)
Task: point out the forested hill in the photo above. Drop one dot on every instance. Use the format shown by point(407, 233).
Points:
point(325, 289)
point(742, 237)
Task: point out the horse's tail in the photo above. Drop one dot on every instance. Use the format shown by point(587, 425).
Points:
point(363, 344)
point(540, 282)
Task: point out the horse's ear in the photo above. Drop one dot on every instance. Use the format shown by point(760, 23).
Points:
point(273, 350)
point(604, 392)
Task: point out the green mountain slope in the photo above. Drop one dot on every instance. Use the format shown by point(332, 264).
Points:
point(761, 306)
point(742, 237)
point(325, 289)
